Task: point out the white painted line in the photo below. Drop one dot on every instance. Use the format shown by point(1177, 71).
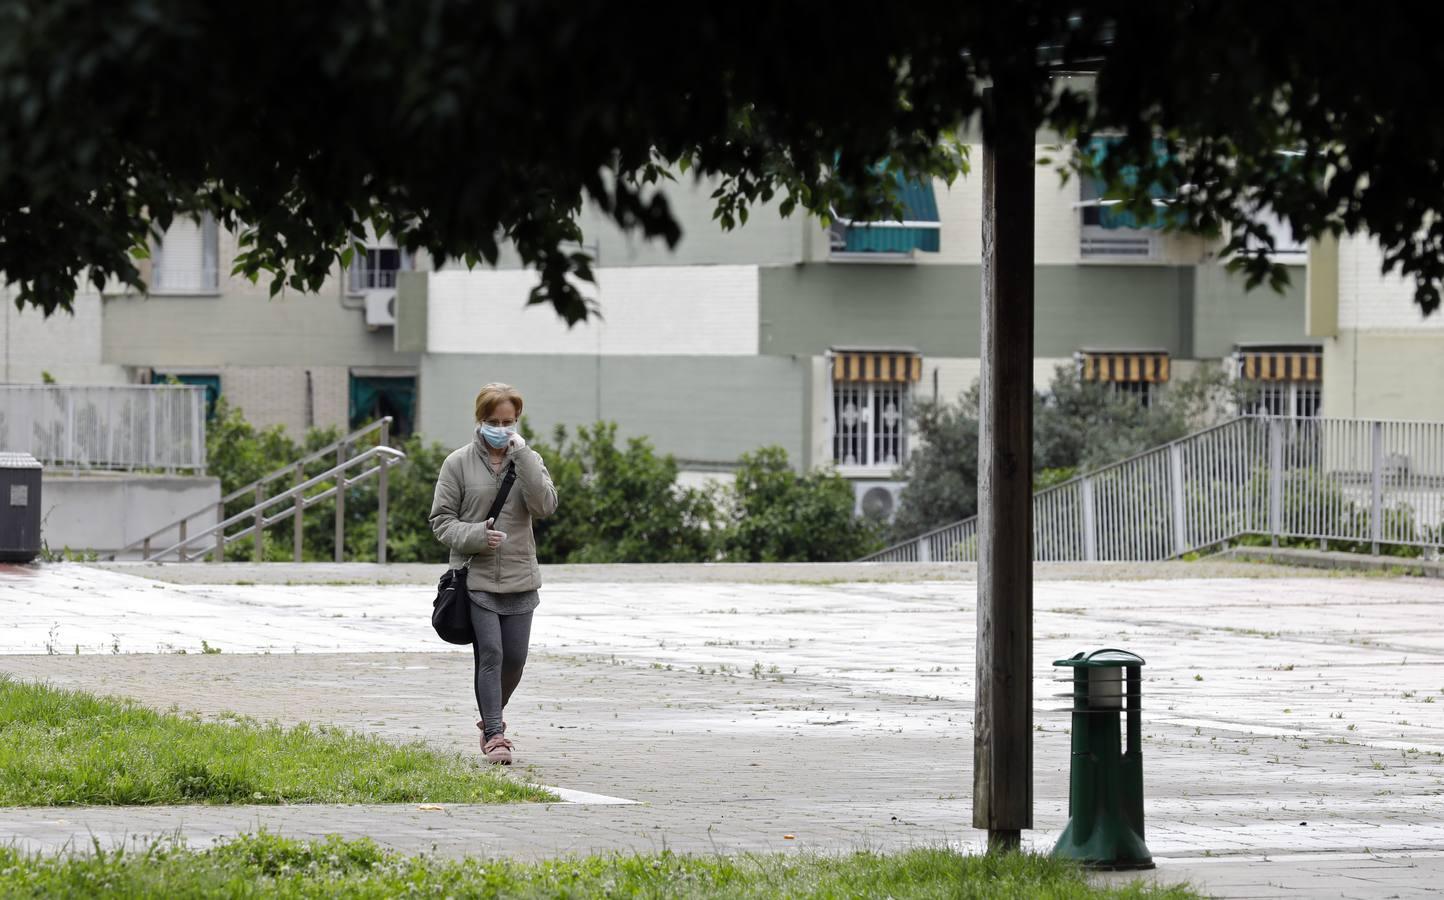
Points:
point(570, 796)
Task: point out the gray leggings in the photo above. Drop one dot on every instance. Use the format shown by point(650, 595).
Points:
point(500, 654)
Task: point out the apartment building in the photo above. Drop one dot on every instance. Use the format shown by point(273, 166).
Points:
point(1382, 358)
point(821, 340)
point(298, 359)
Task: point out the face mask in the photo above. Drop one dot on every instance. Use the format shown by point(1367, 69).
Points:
point(494, 435)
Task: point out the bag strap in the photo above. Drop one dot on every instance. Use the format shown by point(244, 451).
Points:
point(501, 494)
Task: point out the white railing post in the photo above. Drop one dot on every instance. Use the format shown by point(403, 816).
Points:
point(1376, 481)
point(1175, 478)
point(1090, 522)
point(1276, 470)
point(70, 426)
point(925, 549)
point(198, 434)
point(150, 450)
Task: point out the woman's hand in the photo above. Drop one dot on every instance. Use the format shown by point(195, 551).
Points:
point(494, 539)
point(515, 442)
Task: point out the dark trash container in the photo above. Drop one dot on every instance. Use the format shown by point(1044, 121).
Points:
point(19, 507)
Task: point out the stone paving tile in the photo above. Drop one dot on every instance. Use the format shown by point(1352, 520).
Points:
point(700, 573)
point(855, 731)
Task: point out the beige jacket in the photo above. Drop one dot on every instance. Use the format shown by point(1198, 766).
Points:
point(464, 491)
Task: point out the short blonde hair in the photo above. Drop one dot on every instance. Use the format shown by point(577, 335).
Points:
point(493, 395)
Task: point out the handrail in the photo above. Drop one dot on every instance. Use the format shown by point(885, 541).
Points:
point(381, 424)
point(1076, 479)
point(296, 494)
point(1315, 478)
point(330, 448)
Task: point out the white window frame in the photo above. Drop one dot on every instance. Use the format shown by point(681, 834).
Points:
point(208, 282)
point(880, 446)
point(359, 276)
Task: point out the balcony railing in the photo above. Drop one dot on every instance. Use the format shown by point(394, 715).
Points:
point(122, 427)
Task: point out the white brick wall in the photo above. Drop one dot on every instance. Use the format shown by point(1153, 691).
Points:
point(65, 345)
point(651, 310)
point(276, 395)
point(1372, 301)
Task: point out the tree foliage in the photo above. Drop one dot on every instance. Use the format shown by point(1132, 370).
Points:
point(778, 515)
point(620, 502)
point(1077, 425)
point(467, 125)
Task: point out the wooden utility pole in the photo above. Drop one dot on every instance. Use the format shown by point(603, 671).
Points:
point(1002, 719)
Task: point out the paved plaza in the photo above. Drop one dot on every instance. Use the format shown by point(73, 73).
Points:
point(1294, 721)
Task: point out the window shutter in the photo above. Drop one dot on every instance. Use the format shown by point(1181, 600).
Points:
point(177, 264)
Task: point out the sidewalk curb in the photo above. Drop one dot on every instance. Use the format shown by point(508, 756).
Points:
point(1336, 561)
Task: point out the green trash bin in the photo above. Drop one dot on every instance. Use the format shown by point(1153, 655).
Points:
point(1105, 784)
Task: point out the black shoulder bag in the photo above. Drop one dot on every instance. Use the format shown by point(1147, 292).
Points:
point(450, 615)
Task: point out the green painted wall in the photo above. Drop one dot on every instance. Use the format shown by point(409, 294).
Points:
point(1226, 315)
point(411, 309)
point(935, 308)
point(704, 410)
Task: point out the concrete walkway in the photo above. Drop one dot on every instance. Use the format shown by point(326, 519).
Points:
point(1293, 719)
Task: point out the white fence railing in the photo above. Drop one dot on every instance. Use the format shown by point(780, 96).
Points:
point(1346, 480)
point(123, 427)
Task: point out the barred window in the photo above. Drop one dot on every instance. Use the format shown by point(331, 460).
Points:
point(1282, 381)
point(871, 399)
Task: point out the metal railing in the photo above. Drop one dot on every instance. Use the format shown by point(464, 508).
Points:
point(120, 427)
point(372, 462)
point(296, 472)
point(1346, 480)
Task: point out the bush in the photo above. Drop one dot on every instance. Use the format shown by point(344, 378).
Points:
point(777, 515)
point(621, 504)
point(942, 473)
point(618, 503)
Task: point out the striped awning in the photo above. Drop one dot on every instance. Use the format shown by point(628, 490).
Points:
point(889, 365)
point(1281, 365)
point(1123, 366)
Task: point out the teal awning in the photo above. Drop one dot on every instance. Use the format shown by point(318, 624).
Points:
point(1115, 215)
point(917, 231)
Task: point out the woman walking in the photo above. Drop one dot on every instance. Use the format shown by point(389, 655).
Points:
point(503, 576)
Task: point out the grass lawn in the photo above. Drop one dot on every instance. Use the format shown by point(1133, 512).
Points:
point(271, 866)
point(60, 747)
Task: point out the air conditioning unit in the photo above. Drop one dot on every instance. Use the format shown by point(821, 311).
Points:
point(380, 309)
point(877, 499)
